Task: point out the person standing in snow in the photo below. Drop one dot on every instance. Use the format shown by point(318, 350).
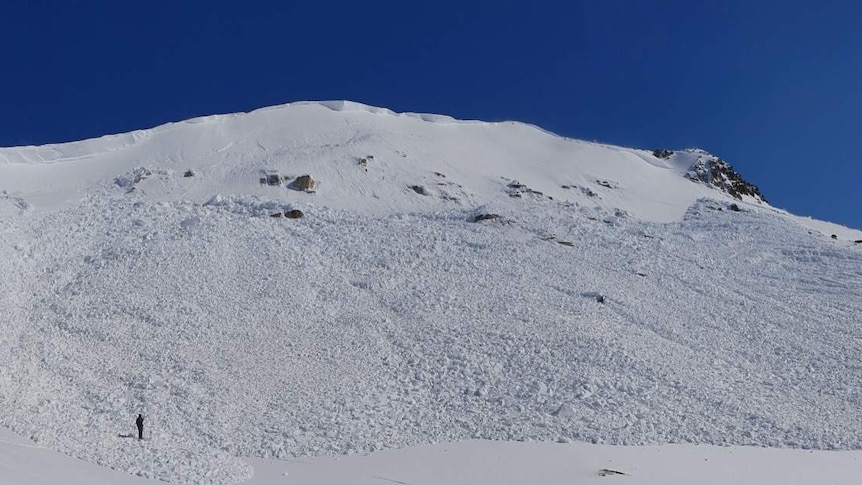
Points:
point(140, 424)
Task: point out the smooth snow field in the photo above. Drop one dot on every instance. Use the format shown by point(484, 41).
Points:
point(484, 463)
point(613, 301)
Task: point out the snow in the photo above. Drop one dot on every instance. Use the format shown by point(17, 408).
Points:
point(385, 319)
point(24, 463)
point(327, 139)
point(484, 463)
point(508, 463)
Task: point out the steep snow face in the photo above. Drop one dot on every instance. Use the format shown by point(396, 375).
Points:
point(459, 164)
point(602, 298)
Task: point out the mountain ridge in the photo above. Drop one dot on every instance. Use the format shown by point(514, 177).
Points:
point(275, 138)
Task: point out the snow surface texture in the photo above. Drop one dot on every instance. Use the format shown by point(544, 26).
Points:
point(483, 463)
point(612, 300)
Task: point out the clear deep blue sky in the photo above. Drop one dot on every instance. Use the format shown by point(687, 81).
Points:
point(774, 87)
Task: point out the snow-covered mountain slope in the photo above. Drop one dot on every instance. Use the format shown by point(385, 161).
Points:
point(611, 300)
point(458, 163)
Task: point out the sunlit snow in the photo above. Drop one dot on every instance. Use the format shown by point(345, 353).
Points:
point(610, 300)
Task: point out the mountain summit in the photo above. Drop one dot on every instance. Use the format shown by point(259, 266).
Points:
point(709, 169)
point(325, 278)
point(370, 160)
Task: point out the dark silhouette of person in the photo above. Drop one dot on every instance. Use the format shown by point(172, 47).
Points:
point(140, 424)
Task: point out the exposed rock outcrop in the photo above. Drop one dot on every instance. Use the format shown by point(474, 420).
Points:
point(662, 153)
point(485, 217)
point(304, 183)
point(291, 214)
point(713, 170)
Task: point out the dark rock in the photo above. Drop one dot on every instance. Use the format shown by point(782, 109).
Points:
point(304, 183)
point(662, 153)
point(720, 174)
point(419, 189)
point(291, 214)
point(189, 173)
point(858, 241)
point(735, 208)
point(595, 295)
point(566, 243)
point(604, 472)
point(834, 236)
point(485, 217)
point(517, 189)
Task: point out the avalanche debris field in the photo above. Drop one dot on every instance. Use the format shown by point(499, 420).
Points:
point(348, 331)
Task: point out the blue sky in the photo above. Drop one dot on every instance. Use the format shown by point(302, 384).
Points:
point(774, 87)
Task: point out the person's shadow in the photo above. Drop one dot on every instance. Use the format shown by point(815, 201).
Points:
point(125, 435)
